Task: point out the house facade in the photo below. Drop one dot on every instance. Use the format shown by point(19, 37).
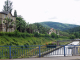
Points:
point(3, 27)
point(53, 30)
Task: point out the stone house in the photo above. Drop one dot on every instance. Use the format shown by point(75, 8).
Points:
point(53, 30)
point(4, 15)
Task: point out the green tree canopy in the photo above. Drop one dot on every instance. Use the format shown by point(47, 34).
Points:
point(7, 6)
point(8, 23)
point(21, 24)
point(15, 13)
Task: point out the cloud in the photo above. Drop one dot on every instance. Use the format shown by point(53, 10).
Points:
point(53, 18)
point(77, 0)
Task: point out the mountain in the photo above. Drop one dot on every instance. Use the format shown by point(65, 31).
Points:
point(57, 25)
point(72, 30)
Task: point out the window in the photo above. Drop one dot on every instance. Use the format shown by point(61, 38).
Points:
point(13, 18)
point(8, 16)
point(4, 16)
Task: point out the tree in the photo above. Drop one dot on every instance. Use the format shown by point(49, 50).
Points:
point(15, 13)
point(8, 23)
point(8, 6)
point(72, 37)
point(53, 35)
point(76, 34)
point(20, 24)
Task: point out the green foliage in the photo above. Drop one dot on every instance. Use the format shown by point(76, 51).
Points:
point(47, 35)
point(15, 13)
point(51, 43)
point(16, 34)
point(77, 34)
point(2, 34)
point(58, 26)
point(41, 28)
point(8, 6)
point(41, 35)
point(72, 30)
point(36, 34)
point(53, 35)
point(10, 41)
point(7, 21)
point(72, 37)
point(20, 24)
point(61, 33)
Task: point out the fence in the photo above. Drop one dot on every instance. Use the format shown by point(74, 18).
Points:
point(37, 51)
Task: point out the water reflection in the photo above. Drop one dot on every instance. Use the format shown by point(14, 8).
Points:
point(60, 52)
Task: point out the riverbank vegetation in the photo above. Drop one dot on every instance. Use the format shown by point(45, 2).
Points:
point(18, 38)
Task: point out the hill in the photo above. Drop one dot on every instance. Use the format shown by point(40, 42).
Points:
point(58, 26)
point(72, 30)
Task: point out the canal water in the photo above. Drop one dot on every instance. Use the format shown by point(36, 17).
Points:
point(60, 52)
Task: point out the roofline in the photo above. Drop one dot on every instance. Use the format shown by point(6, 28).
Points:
point(7, 13)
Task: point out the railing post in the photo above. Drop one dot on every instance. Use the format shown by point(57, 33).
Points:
point(10, 52)
point(64, 50)
point(39, 52)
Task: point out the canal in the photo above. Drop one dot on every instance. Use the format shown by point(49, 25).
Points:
point(60, 52)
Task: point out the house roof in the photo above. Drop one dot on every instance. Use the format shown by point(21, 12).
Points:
point(51, 29)
point(6, 12)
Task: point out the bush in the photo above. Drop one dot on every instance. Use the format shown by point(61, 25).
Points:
point(53, 35)
point(23, 35)
point(72, 37)
point(51, 43)
point(36, 34)
point(41, 35)
point(2, 33)
point(47, 35)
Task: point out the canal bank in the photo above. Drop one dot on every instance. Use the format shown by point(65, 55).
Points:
point(60, 51)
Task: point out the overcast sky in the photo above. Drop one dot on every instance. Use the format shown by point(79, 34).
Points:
point(65, 11)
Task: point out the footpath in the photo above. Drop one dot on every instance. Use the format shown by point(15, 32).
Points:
point(50, 58)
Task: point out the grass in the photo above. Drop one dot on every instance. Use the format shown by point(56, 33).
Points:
point(20, 41)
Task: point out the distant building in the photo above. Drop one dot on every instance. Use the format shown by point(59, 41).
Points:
point(53, 30)
point(4, 15)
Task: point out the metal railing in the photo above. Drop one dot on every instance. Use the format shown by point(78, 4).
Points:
point(38, 51)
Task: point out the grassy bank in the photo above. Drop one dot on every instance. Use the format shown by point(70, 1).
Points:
point(21, 41)
point(6, 40)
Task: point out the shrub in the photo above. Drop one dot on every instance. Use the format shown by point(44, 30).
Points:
point(72, 37)
point(51, 43)
point(2, 33)
point(47, 35)
point(53, 35)
point(23, 35)
point(36, 34)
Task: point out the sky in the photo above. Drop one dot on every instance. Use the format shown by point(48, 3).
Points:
point(33, 11)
